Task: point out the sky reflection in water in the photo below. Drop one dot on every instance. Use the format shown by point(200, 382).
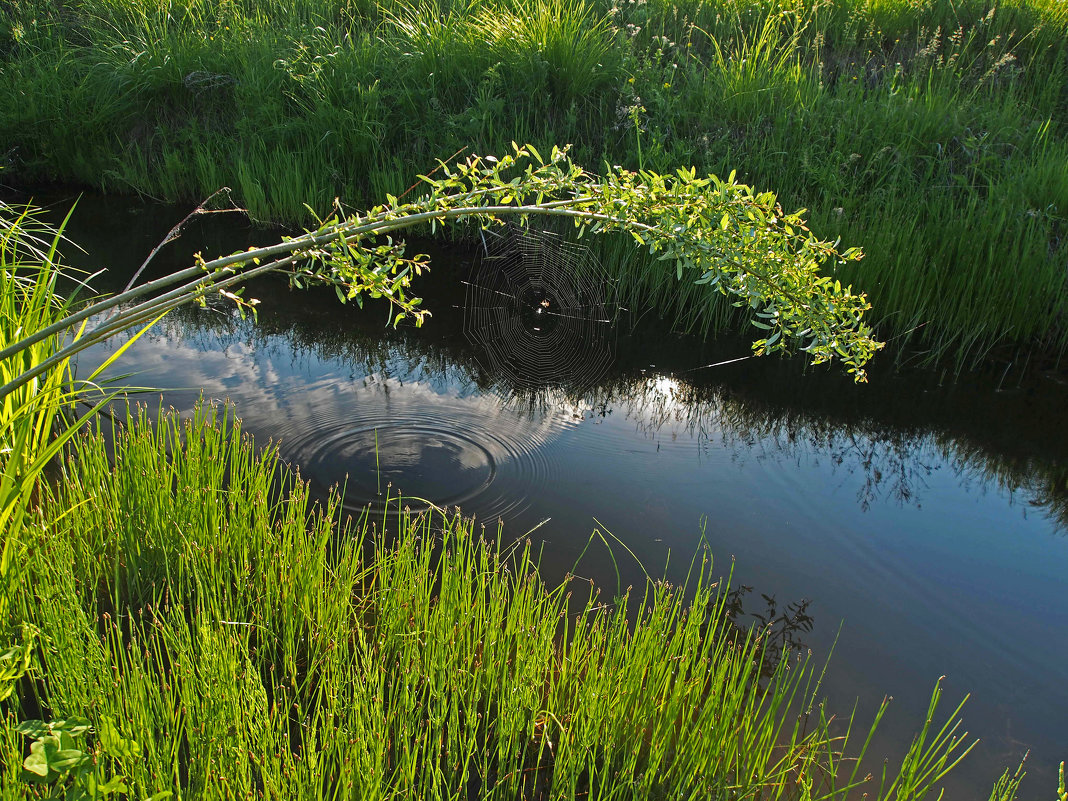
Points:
point(929, 522)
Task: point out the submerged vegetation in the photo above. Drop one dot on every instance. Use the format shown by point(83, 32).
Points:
point(932, 134)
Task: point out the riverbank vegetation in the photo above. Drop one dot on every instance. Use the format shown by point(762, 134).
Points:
point(932, 134)
point(249, 644)
point(185, 622)
point(723, 236)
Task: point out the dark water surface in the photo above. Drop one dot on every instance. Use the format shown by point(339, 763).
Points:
point(925, 520)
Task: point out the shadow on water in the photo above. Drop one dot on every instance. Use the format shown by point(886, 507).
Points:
point(927, 515)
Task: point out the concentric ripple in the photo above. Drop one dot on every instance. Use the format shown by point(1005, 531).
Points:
point(444, 467)
point(397, 438)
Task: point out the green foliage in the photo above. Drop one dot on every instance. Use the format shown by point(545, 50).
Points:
point(189, 593)
point(1008, 784)
point(37, 403)
point(720, 234)
point(61, 759)
point(28, 300)
point(931, 133)
point(254, 644)
point(717, 233)
point(15, 662)
point(38, 421)
point(55, 752)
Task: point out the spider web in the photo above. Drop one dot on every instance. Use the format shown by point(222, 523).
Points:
point(536, 312)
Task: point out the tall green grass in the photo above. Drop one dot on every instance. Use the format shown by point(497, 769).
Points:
point(253, 644)
point(203, 630)
point(932, 134)
point(38, 417)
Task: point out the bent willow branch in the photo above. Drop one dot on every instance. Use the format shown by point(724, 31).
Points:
point(718, 233)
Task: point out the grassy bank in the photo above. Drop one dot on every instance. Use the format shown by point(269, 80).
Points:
point(252, 645)
point(188, 624)
point(932, 134)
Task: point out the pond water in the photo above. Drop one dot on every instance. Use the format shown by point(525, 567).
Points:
point(923, 519)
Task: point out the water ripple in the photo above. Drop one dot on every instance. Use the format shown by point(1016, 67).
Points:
point(388, 436)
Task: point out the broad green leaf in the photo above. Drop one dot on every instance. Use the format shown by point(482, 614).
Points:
point(114, 743)
point(113, 785)
point(46, 754)
point(33, 728)
point(37, 761)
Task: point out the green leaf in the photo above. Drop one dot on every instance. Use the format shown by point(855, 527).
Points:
point(37, 761)
point(724, 221)
point(67, 759)
point(48, 755)
point(114, 785)
point(74, 726)
point(114, 743)
point(33, 728)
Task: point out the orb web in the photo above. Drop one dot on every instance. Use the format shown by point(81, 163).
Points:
point(536, 311)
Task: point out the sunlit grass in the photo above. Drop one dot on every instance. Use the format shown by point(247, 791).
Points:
point(933, 135)
point(186, 595)
point(38, 417)
point(251, 643)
